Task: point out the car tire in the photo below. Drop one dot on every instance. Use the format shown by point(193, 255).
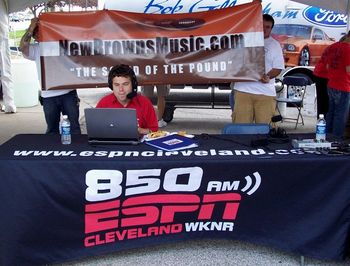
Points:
point(304, 58)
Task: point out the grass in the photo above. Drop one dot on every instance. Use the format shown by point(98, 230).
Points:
point(16, 36)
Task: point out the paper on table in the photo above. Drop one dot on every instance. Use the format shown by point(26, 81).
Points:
point(172, 142)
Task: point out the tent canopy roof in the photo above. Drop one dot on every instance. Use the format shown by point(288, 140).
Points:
point(341, 6)
point(18, 5)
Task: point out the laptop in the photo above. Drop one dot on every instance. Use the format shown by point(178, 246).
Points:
point(111, 126)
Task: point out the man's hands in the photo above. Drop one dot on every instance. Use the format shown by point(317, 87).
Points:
point(265, 78)
point(33, 25)
point(143, 131)
point(25, 41)
point(270, 75)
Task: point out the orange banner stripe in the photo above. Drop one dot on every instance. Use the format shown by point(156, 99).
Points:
point(111, 25)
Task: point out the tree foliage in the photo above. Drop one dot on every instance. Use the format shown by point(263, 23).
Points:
point(51, 4)
point(84, 3)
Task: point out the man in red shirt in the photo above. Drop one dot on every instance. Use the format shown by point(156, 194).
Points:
point(122, 80)
point(338, 66)
point(321, 80)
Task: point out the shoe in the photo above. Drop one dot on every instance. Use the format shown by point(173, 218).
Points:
point(9, 110)
point(162, 123)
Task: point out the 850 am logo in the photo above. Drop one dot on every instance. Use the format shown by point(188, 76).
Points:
point(150, 204)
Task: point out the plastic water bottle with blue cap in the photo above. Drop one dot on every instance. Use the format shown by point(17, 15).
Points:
point(65, 130)
point(321, 129)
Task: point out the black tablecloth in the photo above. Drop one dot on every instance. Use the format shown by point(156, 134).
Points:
point(62, 202)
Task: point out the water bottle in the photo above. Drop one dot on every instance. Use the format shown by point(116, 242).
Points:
point(321, 129)
point(65, 130)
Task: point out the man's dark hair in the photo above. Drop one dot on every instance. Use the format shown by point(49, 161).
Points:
point(123, 71)
point(268, 17)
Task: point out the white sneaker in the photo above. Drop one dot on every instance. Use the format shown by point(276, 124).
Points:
point(162, 123)
point(8, 109)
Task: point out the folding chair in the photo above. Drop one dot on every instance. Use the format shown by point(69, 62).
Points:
point(296, 88)
point(246, 128)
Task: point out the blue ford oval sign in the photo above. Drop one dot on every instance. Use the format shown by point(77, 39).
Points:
point(324, 17)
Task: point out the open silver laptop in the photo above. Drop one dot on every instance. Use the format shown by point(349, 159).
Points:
point(111, 126)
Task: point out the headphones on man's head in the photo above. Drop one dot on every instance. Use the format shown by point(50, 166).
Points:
point(123, 71)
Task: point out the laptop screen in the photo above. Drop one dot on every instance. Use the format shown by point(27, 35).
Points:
point(111, 125)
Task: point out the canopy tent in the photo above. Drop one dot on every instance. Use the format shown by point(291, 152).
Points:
point(9, 6)
point(17, 5)
point(5, 64)
point(6, 7)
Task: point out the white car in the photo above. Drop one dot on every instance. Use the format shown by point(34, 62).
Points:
point(15, 51)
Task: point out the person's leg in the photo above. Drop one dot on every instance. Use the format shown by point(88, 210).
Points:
point(243, 109)
point(70, 107)
point(322, 96)
point(6, 80)
point(160, 106)
point(331, 109)
point(264, 108)
point(1, 98)
point(52, 114)
point(347, 128)
point(147, 91)
point(8, 95)
point(162, 92)
point(231, 99)
point(341, 112)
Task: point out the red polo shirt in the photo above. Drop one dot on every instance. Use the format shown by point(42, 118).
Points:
point(321, 66)
point(146, 115)
point(338, 59)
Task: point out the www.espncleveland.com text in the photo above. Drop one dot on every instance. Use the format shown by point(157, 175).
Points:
point(160, 153)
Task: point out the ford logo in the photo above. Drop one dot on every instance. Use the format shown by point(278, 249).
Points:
point(324, 17)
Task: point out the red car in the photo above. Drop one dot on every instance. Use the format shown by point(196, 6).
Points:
point(302, 45)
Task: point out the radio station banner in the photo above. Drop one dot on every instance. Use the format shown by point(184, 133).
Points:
point(78, 48)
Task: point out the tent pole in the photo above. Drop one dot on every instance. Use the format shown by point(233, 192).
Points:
point(348, 14)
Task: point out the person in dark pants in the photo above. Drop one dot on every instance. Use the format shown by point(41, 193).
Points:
point(54, 102)
point(338, 66)
point(322, 95)
point(67, 104)
point(321, 81)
